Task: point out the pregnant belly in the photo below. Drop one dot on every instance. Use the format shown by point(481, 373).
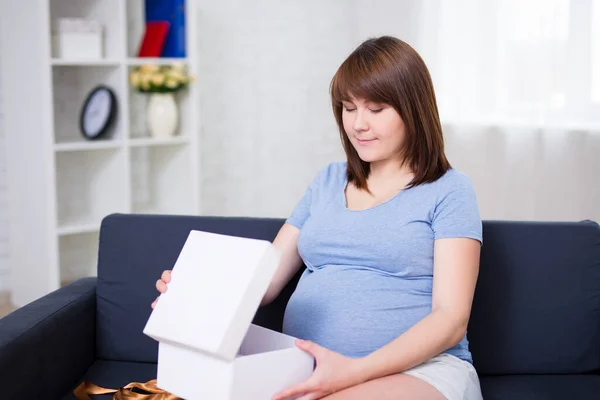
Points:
point(355, 311)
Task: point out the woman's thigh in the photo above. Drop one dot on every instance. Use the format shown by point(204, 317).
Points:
point(393, 387)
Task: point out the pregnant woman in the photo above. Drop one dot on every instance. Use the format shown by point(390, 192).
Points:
point(391, 242)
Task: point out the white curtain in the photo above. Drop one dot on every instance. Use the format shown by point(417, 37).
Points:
point(518, 85)
point(532, 62)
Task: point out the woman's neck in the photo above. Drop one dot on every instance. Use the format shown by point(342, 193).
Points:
point(389, 170)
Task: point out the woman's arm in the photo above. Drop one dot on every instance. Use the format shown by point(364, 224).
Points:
point(286, 242)
point(456, 267)
point(290, 262)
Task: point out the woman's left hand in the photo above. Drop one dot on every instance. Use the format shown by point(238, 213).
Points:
point(333, 373)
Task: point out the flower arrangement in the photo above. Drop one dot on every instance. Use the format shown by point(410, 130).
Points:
point(160, 78)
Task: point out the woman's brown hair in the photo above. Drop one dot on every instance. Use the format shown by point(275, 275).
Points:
point(389, 71)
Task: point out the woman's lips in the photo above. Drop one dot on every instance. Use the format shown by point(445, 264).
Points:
point(365, 142)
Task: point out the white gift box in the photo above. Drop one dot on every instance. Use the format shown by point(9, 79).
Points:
point(77, 39)
point(208, 346)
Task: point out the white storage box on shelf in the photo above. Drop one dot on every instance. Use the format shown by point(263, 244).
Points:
point(77, 39)
point(208, 346)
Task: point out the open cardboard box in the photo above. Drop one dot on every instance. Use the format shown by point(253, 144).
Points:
point(208, 347)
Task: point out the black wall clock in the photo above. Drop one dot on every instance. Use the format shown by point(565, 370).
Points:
point(98, 112)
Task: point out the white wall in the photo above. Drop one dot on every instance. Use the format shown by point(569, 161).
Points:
point(268, 124)
point(265, 72)
point(4, 268)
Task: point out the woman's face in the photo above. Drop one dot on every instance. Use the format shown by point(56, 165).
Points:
point(376, 131)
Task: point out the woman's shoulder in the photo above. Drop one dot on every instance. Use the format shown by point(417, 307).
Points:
point(455, 186)
point(454, 179)
point(331, 173)
point(335, 167)
point(454, 183)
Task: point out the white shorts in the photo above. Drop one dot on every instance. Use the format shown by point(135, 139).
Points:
point(456, 379)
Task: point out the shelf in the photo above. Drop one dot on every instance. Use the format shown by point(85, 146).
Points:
point(138, 103)
point(115, 144)
point(72, 84)
point(116, 62)
point(90, 185)
point(85, 63)
point(68, 183)
point(156, 61)
point(161, 183)
point(141, 142)
point(135, 27)
point(68, 230)
point(106, 12)
point(87, 145)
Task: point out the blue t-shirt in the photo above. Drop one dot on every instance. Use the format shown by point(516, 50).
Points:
point(369, 273)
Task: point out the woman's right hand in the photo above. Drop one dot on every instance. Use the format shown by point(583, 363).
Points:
point(161, 284)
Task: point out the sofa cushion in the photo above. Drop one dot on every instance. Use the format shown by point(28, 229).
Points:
point(537, 303)
point(540, 387)
point(134, 250)
point(115, 374)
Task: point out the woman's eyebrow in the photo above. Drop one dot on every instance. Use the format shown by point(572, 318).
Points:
point(366, 102)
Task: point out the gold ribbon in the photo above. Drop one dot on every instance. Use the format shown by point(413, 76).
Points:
point(132, 391)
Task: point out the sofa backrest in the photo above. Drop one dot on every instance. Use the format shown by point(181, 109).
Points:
point(134, 250)
point(536, 307)
point(537, 302)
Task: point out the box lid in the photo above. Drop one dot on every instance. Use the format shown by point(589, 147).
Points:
point(217, 284)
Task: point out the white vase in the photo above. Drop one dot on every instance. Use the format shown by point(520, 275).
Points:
point(162, 115)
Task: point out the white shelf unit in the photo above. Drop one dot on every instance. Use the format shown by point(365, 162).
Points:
point(61, 184)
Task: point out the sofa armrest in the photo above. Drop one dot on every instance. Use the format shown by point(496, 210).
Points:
point(47, 345)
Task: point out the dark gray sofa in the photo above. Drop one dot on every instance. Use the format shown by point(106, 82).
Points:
point(534, 331)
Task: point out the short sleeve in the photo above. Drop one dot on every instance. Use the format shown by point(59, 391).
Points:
point(457, 214)
point(302, 211)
